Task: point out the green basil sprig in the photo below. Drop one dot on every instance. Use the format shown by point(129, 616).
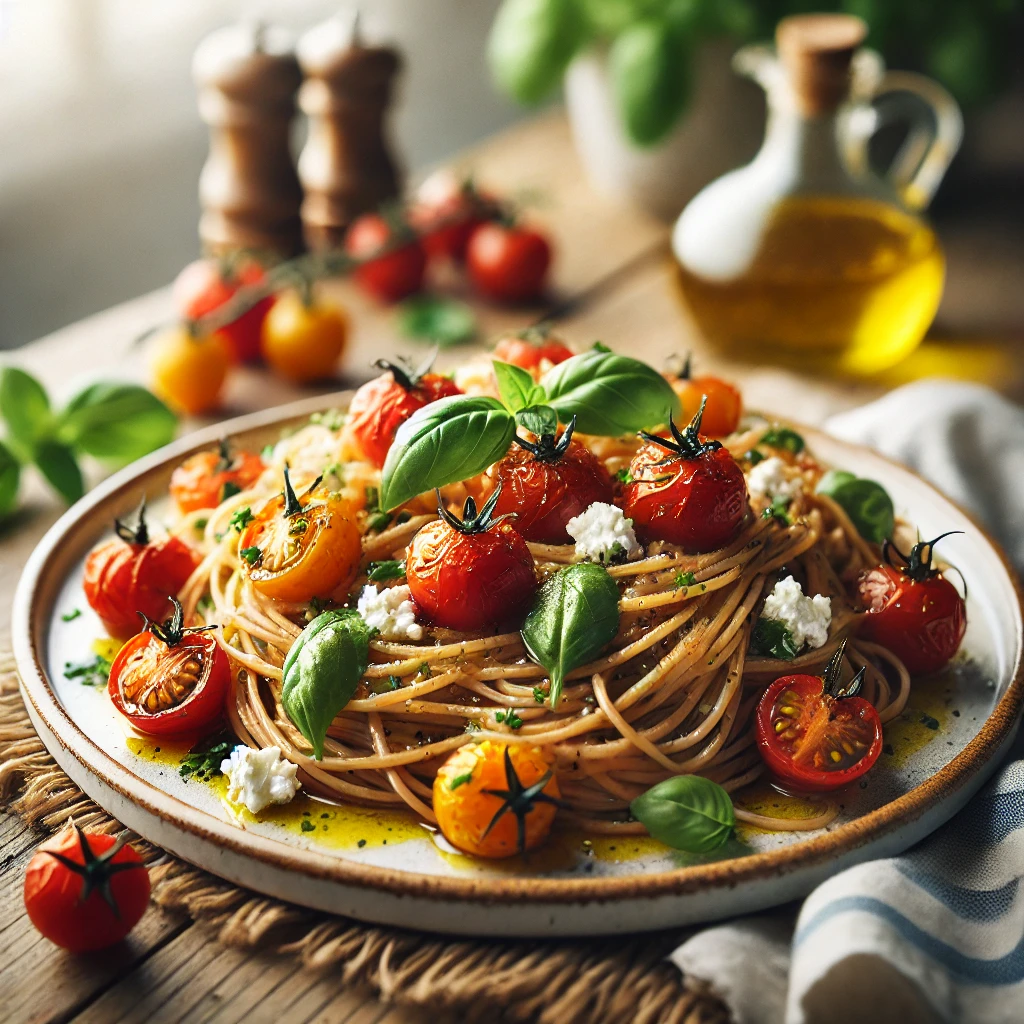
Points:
point(686, 812)
point(773, 639)
point(866, 502)
point(575, 614)
point(784, 438)
point(322, 671)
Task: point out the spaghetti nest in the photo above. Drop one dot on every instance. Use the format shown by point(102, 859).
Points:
point(674, 693)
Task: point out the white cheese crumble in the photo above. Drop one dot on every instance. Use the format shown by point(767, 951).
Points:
point(602, 534)
point(768, 480)
point(259, 778)
point(806, 618)
point(391, 612)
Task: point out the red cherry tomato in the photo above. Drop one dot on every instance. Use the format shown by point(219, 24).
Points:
point(85, 890)
point(446, 212)
point(383, 404)
point(394, 274)
point(547, 483)
point(205, 479)
point(206, 285)
point(131, 573)
point(811, 737)
point(508, 264)
point(471, 574)
point(531, 348)
point(912, 609)
point(689, 491)
point(724, 406)
point(170, 681)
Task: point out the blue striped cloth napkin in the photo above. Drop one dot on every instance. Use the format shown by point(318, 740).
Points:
point(937, 934)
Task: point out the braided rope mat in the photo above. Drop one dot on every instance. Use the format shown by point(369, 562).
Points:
point(599, 981)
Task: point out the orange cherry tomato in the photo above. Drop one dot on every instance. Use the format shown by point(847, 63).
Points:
point(303, 342)
point(85, 890)
point(189, 372)
point(508, 264)
point(532, 348)
point(484, 802)
point(298, 548)
point(399, 269)
point(724, 402)
point(206, 479)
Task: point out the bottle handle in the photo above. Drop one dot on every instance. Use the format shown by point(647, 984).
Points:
point(936, 130)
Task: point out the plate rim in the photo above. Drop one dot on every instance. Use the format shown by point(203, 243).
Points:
point(27, 629)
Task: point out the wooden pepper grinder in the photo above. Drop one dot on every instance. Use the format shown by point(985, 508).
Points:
point(346, 167)
point(247, 77)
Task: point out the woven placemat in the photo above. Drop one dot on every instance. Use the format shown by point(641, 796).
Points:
point(624, 978)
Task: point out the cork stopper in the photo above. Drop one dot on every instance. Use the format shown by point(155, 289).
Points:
point(816, 51)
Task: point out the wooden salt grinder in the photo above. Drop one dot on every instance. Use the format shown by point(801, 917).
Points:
point(247, 77)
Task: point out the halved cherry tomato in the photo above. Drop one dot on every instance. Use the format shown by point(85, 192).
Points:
point(131, 573)
point(445, 213)
point(170, 681)
point(383, 404)
point(508, 264)
point(688, 491)
point(724, 402)
point(206, 479)
point(532, 348)
point(85, 890)
point(206, 285)
point(188, 370)
point(472, 573)
point(303, 341)
point(912, 609)
point(484, 799)
point(298, 548)
point(399, 269)
point(814, 733)
point(547, 483)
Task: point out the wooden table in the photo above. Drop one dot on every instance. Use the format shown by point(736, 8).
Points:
point(612, 282)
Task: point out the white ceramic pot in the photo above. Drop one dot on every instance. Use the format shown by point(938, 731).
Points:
point(721, 129)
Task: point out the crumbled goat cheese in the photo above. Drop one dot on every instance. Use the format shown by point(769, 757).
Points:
point(768, 480)
point(806, 618)
point(602, 534)
point(259, 778)
point(391, 612)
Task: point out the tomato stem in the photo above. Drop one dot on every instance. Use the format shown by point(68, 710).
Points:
point(404, 375)
point(520, 799)
point(547, 449)
point(97, 872)
point(473, 521)
point(832, 680)
point(918, 564)
point(140, 534)
point(172, 630)
point(292, 505)
point(688, 443)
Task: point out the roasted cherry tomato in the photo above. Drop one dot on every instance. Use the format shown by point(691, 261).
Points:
point(445, 213)
point(170, 681)
point(814, 733)
point(547, 483)
point(383, 404)
point(471, 573)
point(298, 548)
point(399, 269)
point(189, 370)
point(508, 264)
point(688, 491)
point(131, 573)
point(724, 406)
point(912, 609)
point(85, 890)
point(303, 341)
point(206, 479)
point(495, 799)
point(206, 285)
point(531, 349)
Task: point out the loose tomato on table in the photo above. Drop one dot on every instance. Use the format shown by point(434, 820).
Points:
point(912, 609)
point(547, 482)
point(85, 890)
point(298, 548)
point(686, 490)
point(814, 733)
point(471, 573)
point(189, 370)
point(508, 263)
point(206, 479)
point(531, 348)
point(170, 681)
point(394, 260)
point(133, 573)
point(303, 338)
point(446, 211)
point(724, 402)
point(383, 404)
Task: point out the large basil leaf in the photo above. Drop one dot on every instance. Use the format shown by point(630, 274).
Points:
point(24, 406)
point(576, 613)
point(866, 502)
point(516, 387)
point(609, 394)
point(448, 440)
point(322, 671)
point(10, 476)
point(686, 812)
point(57, 463)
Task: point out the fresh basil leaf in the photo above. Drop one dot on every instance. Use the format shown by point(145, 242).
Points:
point(322, 671)
point(832, 480)
point(784, 438)
point(57, 463)
point(686, 812)
point(516, 387)
point(449, 440)
point(10, 477)
point(773, 639)
point(392, 569)
point(867, 503)
point(609, 394)
point(442, 321)
point(24, 406)
point(538, 419)
point(575, 614)
point(120, 422)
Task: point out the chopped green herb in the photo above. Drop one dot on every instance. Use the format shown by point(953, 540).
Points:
point(71, 615)
point(509, 718)
point(460, 780)
point(241, 518)
point(203, 761)
point(267, 452)
point(89, 673)
point(200, 524)
point(251, 555)
point(229, 490)
point(332, 419)
point(389, 570)
point(204, 604)
point(540, 694)
point(624, 476)
point(307, 825)
point(361, 843)
point(297, 527)
point(771, 637)
point(472, 726)
point(424, 670)
point(931, 723)
point(777, 509)
point(389, 685)
point(685, 579)
point(754, 457)
point(376, 518)
point(784, 438)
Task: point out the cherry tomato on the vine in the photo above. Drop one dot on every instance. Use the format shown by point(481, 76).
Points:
point(206, 479)
point(446, 211)
point(912, 609)
point(399, 269)
point(189, 370)
point(531, 348)
point(303, 341)
point(508, 264)
point(724, 402)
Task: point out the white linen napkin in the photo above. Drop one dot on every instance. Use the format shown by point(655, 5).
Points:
point(935, 935)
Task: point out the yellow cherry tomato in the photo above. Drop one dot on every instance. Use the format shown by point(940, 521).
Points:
point(189, 372)
point(465, 810)
point(303, 342)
